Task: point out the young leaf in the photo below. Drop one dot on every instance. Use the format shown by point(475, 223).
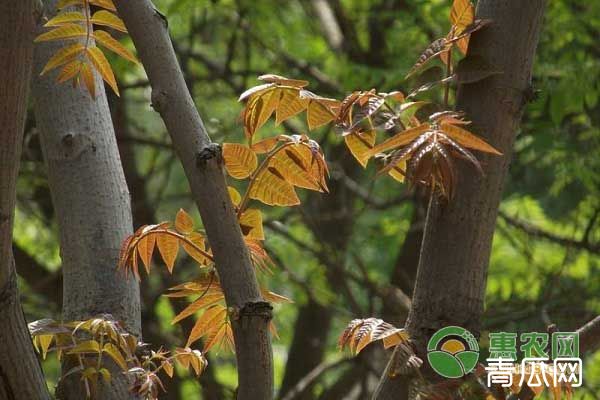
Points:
point(209, 318)
point(114, 353)
point(63, 56)
point(96, 56)
point(87, 346)
point(109, 19)
point(168, 247)
point(467, 139)
point(361, 332)
point(359, 144)
point(105, 39)
point(281, 80)
point(89, 80)
point(271, 188)
point(240, 161)
point(108, 4)
point(67, 31)
point(65, 18)
point(265, 145)
point(198, 250)
point(398, 140)
point(145, 248)
point(251, 224)
point(183, 222)
point(200, 303)
point(235, 196)
point(69, 71)
point(301, 167)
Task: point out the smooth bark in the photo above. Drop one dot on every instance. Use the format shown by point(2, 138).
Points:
point(203, 166)
point(21, 375)
point(452, 272)
point(92, 204)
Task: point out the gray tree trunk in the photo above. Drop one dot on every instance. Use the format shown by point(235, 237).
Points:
point(203, 165)
point(91, 200)
point(21, 376)
point(452, 274)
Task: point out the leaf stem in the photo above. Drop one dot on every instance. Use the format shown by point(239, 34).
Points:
point(448, 73)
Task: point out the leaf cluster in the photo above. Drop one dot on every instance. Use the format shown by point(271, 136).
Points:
point(89, 344)
point(78, 61)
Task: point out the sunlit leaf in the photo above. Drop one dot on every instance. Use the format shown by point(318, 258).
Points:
point(109, 19)
point(198, 250)
point(87, 75)
point(240, 160)
point(359, 144)
point(114, 353)
point(398, 140)
point(105, 39)
point(63, 56)
point(87, 346)
point(102, 65)
point(467, 139)
point(251, 224)
point(183, 222)
point(168, 247)
point(65, 18)
point(271, 188)
point(67, 31)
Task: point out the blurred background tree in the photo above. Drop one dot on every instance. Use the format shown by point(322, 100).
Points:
point(352, 253)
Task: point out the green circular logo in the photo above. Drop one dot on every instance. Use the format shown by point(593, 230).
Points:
point(453, 352)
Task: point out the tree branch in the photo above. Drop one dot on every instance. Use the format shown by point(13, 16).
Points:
point(203, 165)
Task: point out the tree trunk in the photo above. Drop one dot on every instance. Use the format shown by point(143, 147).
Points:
point(92, 204)
point(21, 376)
point(203, 166)
point(455, 253)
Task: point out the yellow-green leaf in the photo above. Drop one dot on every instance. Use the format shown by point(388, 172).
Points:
point(65, 18)
point(108, 4)
point(236, 198)
point(105, 39)
point(114, 353)
point(87, 346)
point(89, 80)
point(68, 31)
point(63, 56)
point(66, 3)
point(109, 19)
point(102, 65)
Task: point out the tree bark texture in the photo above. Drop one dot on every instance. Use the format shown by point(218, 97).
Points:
point(451, 278)
point(91, 200)
point(21, 375)
point(203, 165)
